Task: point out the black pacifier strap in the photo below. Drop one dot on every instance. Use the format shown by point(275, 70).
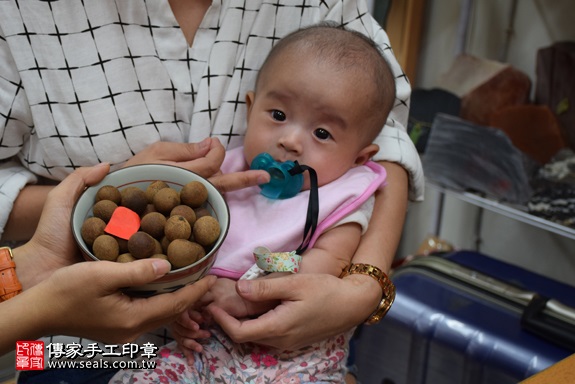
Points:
point(312, 206)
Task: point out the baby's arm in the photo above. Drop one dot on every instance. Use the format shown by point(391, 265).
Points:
point(333, 250)
point(330, 255)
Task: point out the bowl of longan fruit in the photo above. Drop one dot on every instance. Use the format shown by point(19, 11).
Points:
point(153, 211)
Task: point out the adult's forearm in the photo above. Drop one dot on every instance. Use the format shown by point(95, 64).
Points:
point(26, 213)
point(17, 321)
point(379, 244)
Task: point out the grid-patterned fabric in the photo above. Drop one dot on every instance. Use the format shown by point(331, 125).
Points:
point(86, 81)
point(83, 82)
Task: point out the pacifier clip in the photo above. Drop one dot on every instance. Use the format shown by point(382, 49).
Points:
point(290, 261)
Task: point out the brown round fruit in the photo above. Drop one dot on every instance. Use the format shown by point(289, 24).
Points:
point(166, 199)
point(106, 247)
point(159, 256)
point(153, 224)
point(104, 209)
point(194, 194)
point(206, 230)
point(141, 245)
point(135, 199)
point(153, 188)
point(123, 243)
point(186, 211)
point(92, 227)
point(182, 253)
point(177, 227)
point(125, 258)
point(109, 192)
point(201, 211)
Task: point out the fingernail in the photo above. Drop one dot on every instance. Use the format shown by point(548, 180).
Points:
point(244, 286)
point(161, 267)
point(105, 164)
point(263, 179)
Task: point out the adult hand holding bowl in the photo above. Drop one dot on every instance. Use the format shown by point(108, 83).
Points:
point(140, 177)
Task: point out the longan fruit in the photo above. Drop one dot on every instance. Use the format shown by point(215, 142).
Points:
point(194, 194)
point(149, 208)
point(141, 245)
point(186, 211)
point(125, 258)
point(177, 227)
point(201, 211)
point(104, 209)
point(182, 253)
point(165, 243)
point(166, 199)
point(109, 192)
point(134, 198)
point(106, 247)
point(153, 224)
point(123, 243)
point(206, 230)
point(159, 256)
point(158, 248)
point(92, 227)
point(153, 188)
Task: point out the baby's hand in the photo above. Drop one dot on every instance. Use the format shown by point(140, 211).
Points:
point(187, 330)
point(223, 294)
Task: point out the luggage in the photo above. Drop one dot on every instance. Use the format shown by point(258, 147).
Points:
point(464, 317)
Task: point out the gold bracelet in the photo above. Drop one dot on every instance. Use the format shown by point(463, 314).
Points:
point(9, 284)
point(387, 288)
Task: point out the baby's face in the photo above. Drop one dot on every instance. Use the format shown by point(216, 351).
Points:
point(308, 111)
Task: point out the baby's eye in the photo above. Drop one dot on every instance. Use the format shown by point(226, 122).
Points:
point(278, 115)
point(322, 134)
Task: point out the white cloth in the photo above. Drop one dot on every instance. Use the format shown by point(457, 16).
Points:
point(93, 81)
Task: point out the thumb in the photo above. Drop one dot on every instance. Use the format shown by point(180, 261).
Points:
point(267, 289)
point(135, 273)
point(78, 180)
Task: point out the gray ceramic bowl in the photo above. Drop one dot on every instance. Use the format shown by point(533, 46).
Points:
point(141, 176)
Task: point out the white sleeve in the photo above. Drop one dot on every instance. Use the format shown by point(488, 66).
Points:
point(13, 177)
point(360, 216)
point(15, 127)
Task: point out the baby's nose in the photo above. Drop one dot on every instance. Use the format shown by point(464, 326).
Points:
point(291, 141)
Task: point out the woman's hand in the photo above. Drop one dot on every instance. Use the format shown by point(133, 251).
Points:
point(52, 246)
point(313, 307)
point(203, 158)
point(111, 316)
point(85, 300)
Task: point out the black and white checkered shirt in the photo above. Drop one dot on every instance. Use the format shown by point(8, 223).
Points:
point(83, 82)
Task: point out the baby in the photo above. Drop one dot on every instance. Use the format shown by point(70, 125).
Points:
point(320, 99)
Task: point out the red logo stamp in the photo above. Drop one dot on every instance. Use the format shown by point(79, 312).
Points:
point(29, 355)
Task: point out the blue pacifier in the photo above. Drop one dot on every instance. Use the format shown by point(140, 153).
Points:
point(282, 184)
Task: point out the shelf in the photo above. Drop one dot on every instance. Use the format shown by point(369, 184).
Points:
point(519, 213)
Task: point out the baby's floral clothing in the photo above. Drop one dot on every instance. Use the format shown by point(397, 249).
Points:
point(224, 361)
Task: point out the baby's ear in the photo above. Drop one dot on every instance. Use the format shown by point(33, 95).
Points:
point(366, 153)
point(250, 96)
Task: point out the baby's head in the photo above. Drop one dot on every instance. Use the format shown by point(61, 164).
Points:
point(321, 97)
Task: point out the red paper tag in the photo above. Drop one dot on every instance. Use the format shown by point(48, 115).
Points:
point(124, 223)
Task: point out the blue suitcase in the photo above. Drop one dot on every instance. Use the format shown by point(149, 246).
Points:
point(464, 317)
